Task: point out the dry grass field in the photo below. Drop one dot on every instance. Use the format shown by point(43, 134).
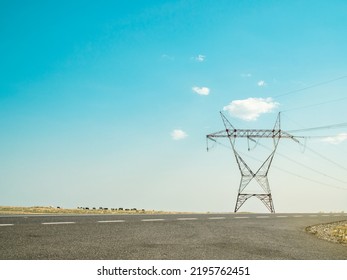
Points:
point(17, 210)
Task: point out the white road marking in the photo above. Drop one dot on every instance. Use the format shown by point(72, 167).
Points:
point(281, 216)
point(313, 215)
point(216, 218)
point(59, 223)
point(262, 217)
point(152, 220)
point(112, 221)
point(297, 216)
point(241, 217)
point(186, 219)
point(6, 225)
point(325, 215)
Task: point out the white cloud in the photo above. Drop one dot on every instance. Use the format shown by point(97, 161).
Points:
point(178, 134)
point(336, 139)
point(201, 90)
point(262, 83)
point(200, 58)
point(251, 108)
point(246, 75)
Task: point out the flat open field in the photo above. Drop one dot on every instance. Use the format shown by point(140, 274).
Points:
point(18, 210)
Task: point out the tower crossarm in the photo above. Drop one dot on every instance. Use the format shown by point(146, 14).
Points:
point(251, 133)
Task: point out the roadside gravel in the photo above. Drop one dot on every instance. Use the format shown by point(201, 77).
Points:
point(333, 232)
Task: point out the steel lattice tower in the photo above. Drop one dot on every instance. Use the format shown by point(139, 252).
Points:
point(247, 175)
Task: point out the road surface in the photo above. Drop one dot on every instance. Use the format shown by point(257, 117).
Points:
point(161, 237)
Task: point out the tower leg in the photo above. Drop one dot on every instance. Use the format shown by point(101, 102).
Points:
point(247, 175)
point(265, 198)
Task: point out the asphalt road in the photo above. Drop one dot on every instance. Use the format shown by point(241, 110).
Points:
point(160, 237)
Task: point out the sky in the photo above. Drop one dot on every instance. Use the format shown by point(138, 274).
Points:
point(108, 103)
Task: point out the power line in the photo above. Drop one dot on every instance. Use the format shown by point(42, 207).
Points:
point(325, 158)
point(305, 147)
point(311, 86)
point(300, 176)
point(332, 126)
point(294, 174)
point(310, 168)
point(308, 179)
point(316, 104)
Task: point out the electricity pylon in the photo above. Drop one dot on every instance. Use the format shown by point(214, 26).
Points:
point(247, 175)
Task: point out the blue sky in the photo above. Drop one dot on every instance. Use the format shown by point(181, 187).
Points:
point(107, 103)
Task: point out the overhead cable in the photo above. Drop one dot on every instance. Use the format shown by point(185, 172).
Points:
point(316, 104)
point(325, 158)
point(332, 126)
point(297, 175)
point(311, 86)
point(310, 168)
point(300, 176)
